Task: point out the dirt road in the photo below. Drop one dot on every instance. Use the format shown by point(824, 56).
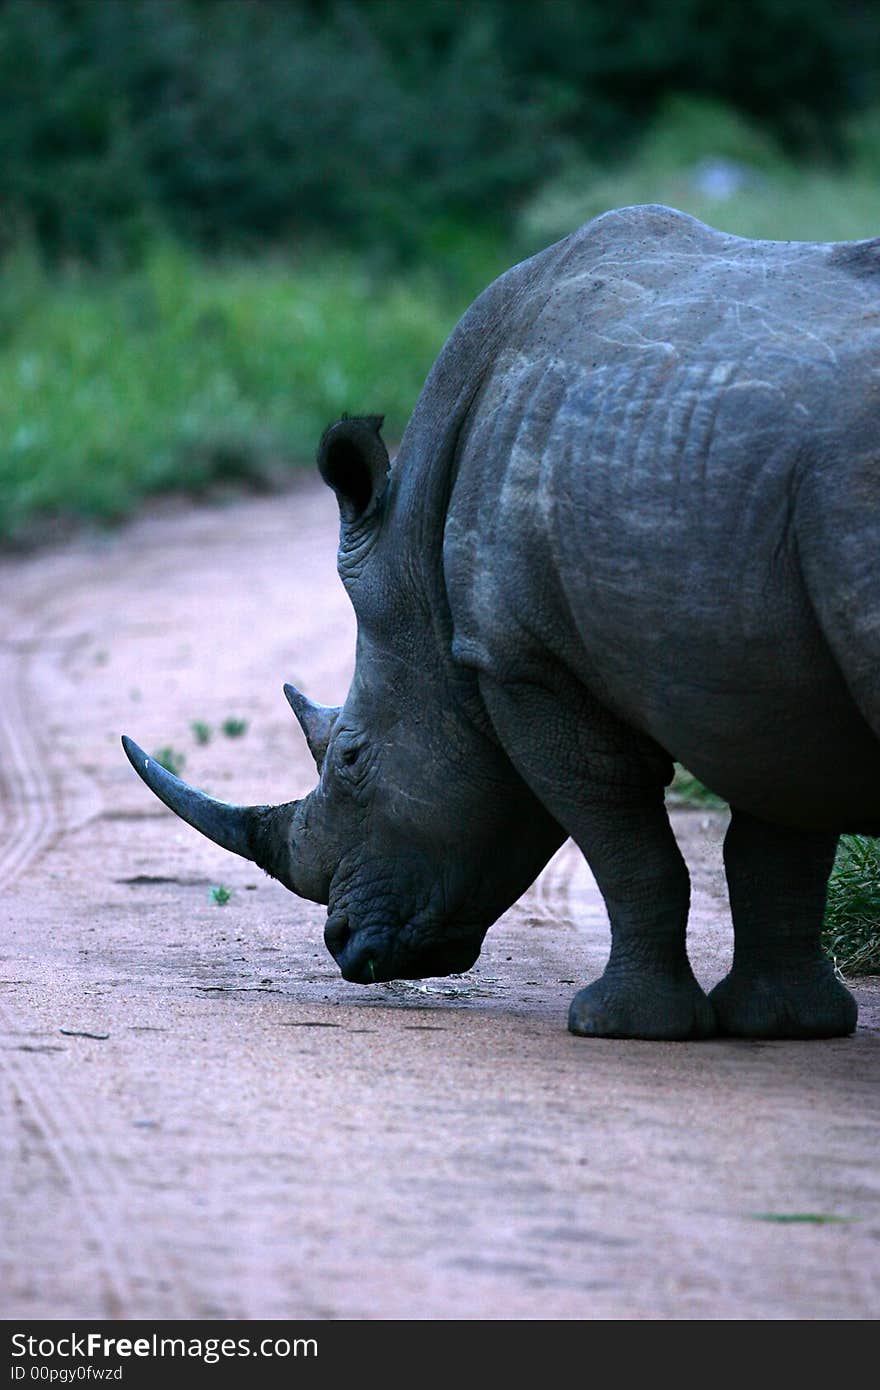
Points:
point(245, 1134)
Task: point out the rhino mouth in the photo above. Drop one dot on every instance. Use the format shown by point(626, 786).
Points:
point(367, 958)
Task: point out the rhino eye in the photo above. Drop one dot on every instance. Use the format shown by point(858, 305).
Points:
point(350, 755)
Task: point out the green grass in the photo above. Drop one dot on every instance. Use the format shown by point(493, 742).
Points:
point(186, 373)
point(801, 1218)
point(234, 728)
point(851, 932)
point(170, 759)
point(685, 791)
point(817, 205)
point(220, 894)
point(778, 200)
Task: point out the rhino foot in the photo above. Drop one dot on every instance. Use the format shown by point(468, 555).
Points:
point(811, 1003)
point(639, 1005)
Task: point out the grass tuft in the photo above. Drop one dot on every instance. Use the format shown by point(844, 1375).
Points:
point(170, 759)
point(801, 1218)
point(685, 791)
point(234, 728)
point(851, 931)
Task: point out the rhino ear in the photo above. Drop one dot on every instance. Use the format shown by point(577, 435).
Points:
point(353, 461)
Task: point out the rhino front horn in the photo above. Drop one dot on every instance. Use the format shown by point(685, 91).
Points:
point(316, 721)
point(237, 828)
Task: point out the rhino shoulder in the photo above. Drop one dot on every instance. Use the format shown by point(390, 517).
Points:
point(649, 222)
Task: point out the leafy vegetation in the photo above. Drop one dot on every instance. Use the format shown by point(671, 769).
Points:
point(225, 223)
point(234, 728)
point(801, 1218)
point(851, 933)
point(708, 160)
point(220, 894)
point(170, 759)
point(686, 791)
point(232, 123)
point(183, 373)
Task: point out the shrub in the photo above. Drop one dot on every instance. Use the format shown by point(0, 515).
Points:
point(851, 933)
point(232, 122)
point(763, 194)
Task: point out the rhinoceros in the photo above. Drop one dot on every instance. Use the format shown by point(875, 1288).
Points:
point(633, 519)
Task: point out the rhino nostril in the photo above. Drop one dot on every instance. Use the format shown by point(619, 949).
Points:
point(336, 934)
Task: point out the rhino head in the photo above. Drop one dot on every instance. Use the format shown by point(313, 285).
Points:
point(420, 833)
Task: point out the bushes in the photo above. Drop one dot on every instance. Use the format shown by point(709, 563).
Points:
point(711, 162)
point(235, 122)
point(412, 135)
point(181, 374)
point(178, 370)
point(851, 934)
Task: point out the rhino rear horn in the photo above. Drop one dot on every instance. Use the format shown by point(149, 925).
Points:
point(316, 721)
point(236, 828)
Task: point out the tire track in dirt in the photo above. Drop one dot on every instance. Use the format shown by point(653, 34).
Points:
point(565, 897)
point(37, 810)
point(31, 812)
point(33, 822)
point(549, 900)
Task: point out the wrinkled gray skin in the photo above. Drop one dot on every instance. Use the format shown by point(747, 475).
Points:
point(634, 518)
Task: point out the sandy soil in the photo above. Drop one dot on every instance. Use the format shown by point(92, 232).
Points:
point(250, 1136)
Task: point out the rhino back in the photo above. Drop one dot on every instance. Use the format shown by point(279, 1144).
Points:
point(628, 478)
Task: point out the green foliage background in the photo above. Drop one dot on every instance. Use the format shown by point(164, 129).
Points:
point(225, 222)
point(258, 121)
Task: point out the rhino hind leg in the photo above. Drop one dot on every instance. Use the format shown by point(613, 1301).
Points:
point(781, 984)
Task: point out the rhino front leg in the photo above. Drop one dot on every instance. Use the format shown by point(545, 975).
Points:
point(606, 790)
point(782, 984)
point(648, 989)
